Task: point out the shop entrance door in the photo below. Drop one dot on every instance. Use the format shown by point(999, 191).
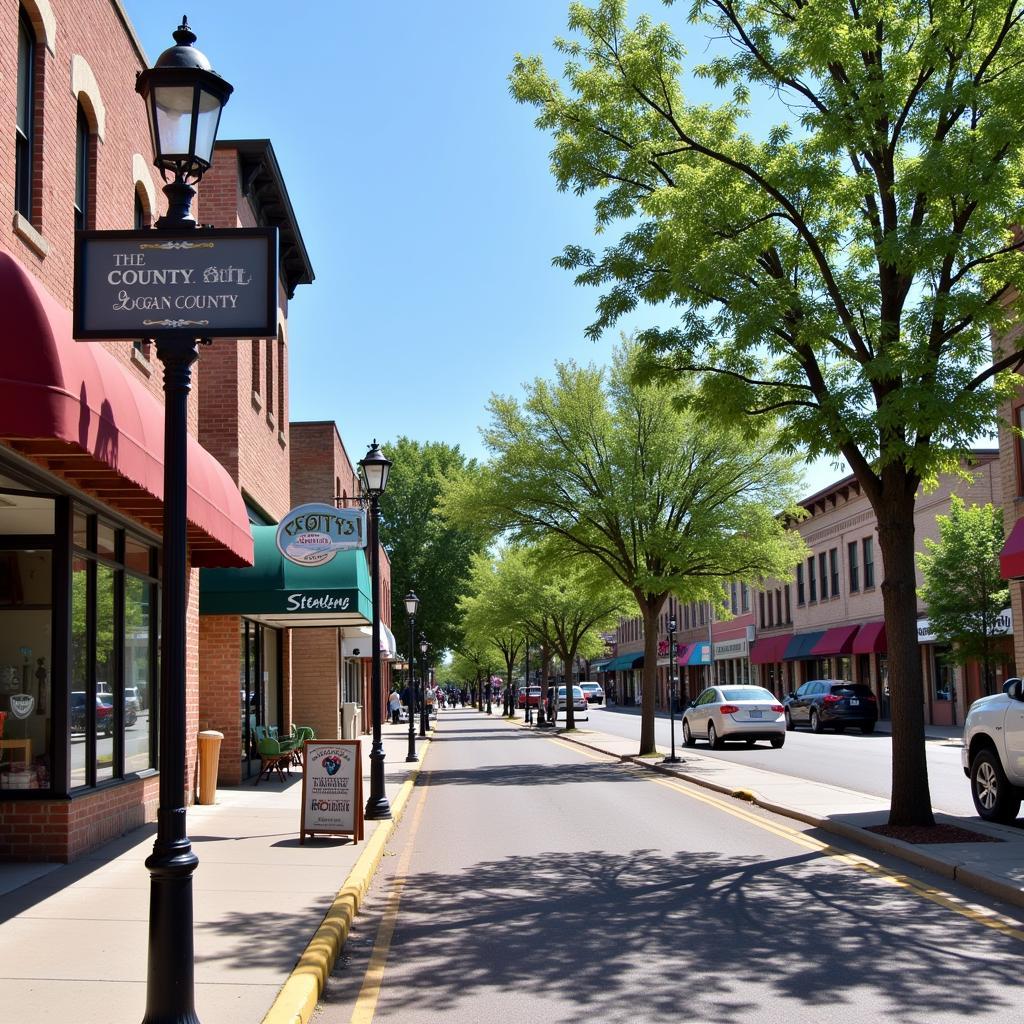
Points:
point(260, 688)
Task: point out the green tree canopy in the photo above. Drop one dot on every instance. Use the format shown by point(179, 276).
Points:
point(428, 554)
point(841, 268)
point(593, 464)
point(963, 588)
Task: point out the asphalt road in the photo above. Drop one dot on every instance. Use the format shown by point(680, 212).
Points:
point(850, 759)
point(532, 881)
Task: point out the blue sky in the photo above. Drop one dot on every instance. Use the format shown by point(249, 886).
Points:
point(423, 193)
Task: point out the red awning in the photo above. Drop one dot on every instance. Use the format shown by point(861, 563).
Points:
point(1011, 558)
point(769, 650)
point(870, 639)
point(838, 640)
point(74, 409)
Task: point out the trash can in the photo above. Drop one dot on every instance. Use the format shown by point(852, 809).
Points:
point(209, 758)
point(350, 720)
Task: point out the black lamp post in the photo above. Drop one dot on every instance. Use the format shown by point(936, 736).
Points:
point(672, 758)
point(374, 468)
point(412, 604)
point(184, 98)
point(424, 713)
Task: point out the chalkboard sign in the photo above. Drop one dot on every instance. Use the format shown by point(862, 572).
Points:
point(332, 789)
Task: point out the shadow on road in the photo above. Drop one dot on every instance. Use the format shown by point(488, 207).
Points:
point(689, 931)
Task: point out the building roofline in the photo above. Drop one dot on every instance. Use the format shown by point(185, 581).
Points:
point(263, 184)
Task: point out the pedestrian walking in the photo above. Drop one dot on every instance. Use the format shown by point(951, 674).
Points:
point(395, 707)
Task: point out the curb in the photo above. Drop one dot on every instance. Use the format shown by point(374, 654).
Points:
point(968, 877)
point(298, 997)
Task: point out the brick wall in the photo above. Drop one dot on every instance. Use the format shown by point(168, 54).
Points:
point(315, 668)
point(219, 701)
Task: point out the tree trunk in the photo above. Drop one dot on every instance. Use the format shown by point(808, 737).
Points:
point(911, 800)
point(650, 606)
point(570, 711)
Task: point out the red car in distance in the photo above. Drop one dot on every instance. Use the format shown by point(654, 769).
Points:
point(529, 697)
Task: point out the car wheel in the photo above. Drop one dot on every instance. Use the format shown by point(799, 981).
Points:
point(777, 741)
point(994, 797)
point(714, 739)
point(790, 724)
point(867, 727)
point(816, 725)
point(689, 740)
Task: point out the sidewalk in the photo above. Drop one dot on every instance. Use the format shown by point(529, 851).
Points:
point(995, 868)
point(73, 938)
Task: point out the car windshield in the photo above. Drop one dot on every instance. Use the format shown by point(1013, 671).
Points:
point(748, 693)
point(850, 689)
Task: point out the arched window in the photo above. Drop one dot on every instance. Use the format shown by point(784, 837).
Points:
point(24, 131)
point(83, 176)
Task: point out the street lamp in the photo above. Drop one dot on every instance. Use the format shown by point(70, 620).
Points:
point(672, 758)
point(412, 604)
point(184, 98)
point(489, 688)
point(374, 468)
point(424, 647)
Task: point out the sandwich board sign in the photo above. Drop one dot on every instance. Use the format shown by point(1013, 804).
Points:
point(332, 789)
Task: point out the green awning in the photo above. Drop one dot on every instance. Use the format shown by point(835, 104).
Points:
point(281, 593)
point(625, 662)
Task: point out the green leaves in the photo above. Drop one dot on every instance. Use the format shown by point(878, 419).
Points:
point(843, 269)
point(963, 587)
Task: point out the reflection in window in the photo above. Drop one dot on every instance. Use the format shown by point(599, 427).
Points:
point(137, 657)
point(107, 715)
point(79, 666)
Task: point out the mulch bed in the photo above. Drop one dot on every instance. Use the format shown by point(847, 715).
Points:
point(932, 834)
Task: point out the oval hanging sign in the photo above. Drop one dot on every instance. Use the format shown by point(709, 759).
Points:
point(314, 534)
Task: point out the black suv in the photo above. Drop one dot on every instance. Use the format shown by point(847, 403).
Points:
point(831, 703)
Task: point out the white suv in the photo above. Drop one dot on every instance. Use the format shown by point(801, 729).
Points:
point(993, 753)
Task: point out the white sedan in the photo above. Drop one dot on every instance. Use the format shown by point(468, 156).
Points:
point(721, 713)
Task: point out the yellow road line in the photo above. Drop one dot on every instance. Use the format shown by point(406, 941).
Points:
point(979, 915)
point(369, 992)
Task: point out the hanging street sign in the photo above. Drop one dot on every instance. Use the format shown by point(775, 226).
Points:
point(200, 283)
point(313, 534)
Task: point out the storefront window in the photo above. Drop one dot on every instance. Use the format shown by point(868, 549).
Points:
point(26, 582)
point(139, 645)
point(113, 661)
point(943, 674)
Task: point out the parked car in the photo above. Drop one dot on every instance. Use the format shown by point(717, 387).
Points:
point(530, 697)
point(104, 713)
point(748, 713)
point(593, 692)
point(579, 702)
point(132, 698)
point(993, 752)
point(832, 704)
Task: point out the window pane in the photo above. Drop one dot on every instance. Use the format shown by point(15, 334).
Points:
point(823, 567)
point(854, 567)
point(138, 673)
point(79, 668)
point(25, 645)
point(105, 540)
point(137, 556)
point(108, 716)
point(24, 134)
point(869, 562)
point(81, 530)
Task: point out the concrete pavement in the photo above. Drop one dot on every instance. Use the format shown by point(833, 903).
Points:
point(73, 938)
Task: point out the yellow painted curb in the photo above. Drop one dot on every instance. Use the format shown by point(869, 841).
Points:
point(298, 997)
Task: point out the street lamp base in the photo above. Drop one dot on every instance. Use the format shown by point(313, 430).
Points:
point(410, 758)
point(672, 760)
point(377, 809)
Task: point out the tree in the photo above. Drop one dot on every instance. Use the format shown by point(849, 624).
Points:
point(483, 612)
point(596, 465)
point(533, 594)
point(427, 554)
point(963, 588)
point(842, 274)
